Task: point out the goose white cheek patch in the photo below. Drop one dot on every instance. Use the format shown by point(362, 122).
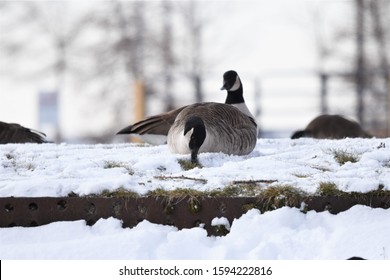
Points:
point(236, 85)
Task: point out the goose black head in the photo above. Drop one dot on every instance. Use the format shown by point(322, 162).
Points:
point(231, 81)
point(233, 85)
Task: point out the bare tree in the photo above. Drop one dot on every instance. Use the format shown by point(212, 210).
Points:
point(194, 24)
point(360, 69)
point(167, 53)
point(148, 51)
point(42, 21)
point(372, 68)
point(110, 46)
point(379, 34)
point(117, 57)
point(367, 68)
point(49, 41)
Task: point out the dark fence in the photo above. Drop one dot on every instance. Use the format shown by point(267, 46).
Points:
point(185, 212)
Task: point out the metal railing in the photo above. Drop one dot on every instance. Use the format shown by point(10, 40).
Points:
point(185, 212)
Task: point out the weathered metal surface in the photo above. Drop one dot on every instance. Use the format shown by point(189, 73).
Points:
point(185, 212)
point(336, 204)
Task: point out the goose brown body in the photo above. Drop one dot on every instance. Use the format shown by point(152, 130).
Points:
point(332, 127)
point(228, 130)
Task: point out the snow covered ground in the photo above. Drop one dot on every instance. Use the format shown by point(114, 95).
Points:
point(284, 234)
point(56, 170)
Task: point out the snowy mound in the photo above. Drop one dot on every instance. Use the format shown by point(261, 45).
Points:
point(34, 170)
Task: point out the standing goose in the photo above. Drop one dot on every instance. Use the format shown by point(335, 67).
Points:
point(15, 133)
point(206, 127)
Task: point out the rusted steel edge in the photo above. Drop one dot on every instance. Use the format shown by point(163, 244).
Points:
point(186, 212)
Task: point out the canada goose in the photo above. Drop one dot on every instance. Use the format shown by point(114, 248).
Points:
point(206, 127)
point(154, 129)
point(15, 133)
point(331, 127)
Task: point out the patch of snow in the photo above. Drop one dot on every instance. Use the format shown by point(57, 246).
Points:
point(221, 221)
point(33, 170)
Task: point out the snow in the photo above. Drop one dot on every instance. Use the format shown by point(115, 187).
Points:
point(33, 170)
point(285, 233)
point(221, 221)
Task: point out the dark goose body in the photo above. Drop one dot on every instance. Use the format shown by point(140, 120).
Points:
point(15, 133)
point(331, 127)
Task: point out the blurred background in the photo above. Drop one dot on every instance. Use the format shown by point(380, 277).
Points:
point(82, 70)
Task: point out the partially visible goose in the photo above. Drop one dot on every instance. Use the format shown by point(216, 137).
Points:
point(15, 133)
point(206, 127)
point(331, 127)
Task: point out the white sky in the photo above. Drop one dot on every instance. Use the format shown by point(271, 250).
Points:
point(269, 41)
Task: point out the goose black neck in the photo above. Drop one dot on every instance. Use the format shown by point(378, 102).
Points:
point(235, 97)
point(197, 137)
point(199, 131)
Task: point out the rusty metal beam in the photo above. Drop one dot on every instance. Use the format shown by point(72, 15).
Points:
point(186, 212)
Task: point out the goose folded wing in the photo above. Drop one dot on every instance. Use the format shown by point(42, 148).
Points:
point(15, 133)
point(158, 124)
